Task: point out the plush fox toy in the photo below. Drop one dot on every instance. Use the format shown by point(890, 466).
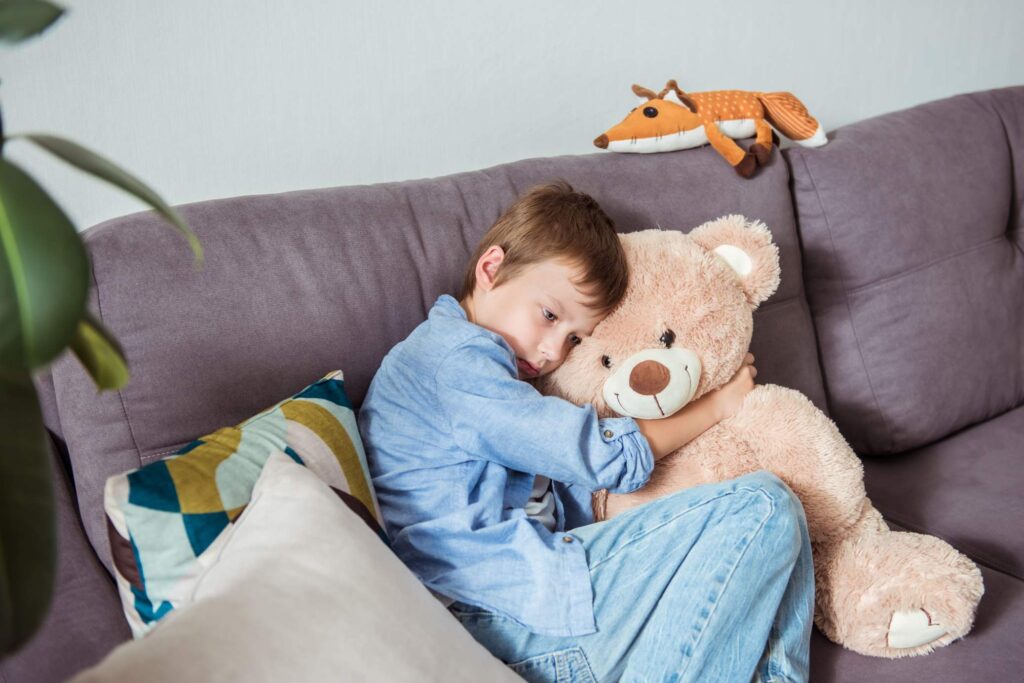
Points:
point(716, 117)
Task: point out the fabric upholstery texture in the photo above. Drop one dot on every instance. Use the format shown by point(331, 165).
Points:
point(967, 488)
point(914, 266)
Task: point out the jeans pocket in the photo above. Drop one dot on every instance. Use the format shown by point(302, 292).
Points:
point(561, 666)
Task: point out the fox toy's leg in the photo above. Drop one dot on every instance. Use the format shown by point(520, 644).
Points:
point(762, 148)
point(744, 162)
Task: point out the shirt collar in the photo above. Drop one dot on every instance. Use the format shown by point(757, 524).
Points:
point(447, 306)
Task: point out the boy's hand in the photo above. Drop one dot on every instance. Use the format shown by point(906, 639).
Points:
point(729, 397)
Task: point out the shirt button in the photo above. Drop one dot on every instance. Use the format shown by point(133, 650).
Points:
point(608, 433)
point(567, 539)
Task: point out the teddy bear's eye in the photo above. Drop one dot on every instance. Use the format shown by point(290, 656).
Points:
point(668, 338)
point(606, 361)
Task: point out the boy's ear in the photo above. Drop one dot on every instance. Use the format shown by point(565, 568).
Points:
point(487, 266)
point(747, 248)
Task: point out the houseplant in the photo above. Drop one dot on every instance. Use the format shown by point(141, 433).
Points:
point(44, 285)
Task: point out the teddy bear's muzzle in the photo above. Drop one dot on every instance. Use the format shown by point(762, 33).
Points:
point(653, 383)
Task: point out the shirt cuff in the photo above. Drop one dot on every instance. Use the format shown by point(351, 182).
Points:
point(635, 450)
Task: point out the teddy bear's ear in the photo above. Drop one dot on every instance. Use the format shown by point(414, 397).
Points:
point(748, 249)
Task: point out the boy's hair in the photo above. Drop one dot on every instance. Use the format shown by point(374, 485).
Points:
point(554, 221)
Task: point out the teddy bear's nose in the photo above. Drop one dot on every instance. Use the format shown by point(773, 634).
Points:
point(648, 378)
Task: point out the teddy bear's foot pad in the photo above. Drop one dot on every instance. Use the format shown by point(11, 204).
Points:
point(912, 628)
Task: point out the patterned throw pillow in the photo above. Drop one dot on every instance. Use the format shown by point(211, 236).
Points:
point(168, 521)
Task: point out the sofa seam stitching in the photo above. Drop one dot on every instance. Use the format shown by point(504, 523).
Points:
point(120, 393)
point(980, 557)
point(1013, 186)
point(925, 266)
point(849, 310)
point(805, 298)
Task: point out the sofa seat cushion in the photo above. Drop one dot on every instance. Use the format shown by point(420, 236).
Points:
point(990, 652)
point(967, 489)
point(913, 246)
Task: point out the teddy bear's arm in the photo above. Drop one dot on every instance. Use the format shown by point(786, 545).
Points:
point(789, 436)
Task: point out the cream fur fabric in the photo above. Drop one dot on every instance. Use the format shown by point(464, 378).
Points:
point(879, 592)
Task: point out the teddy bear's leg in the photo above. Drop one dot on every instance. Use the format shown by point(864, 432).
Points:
point(892, 594)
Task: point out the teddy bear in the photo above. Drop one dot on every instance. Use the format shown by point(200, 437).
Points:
point(682, 330)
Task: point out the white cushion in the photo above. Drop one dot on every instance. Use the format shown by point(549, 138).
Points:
point(304, 590)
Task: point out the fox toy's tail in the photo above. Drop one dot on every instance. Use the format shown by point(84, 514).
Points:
point(784, 111)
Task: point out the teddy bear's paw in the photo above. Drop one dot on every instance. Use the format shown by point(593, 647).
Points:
point(913, 628)
point(894, 594)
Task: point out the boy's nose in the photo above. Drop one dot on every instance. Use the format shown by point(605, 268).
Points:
point(551, 352)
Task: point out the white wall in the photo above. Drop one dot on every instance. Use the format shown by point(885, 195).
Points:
point(215, 98)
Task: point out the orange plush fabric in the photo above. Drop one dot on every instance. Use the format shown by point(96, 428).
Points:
point(715, 117)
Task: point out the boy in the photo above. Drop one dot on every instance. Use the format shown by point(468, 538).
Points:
point(478, 475)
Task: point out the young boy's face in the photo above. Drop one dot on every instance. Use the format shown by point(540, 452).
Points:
point(539, 311)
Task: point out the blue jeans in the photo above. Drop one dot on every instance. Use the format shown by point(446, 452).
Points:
point(713, 583)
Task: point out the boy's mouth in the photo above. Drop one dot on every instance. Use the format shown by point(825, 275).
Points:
point(526, 368)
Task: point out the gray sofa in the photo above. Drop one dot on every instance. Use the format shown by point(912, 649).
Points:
point(900, 314)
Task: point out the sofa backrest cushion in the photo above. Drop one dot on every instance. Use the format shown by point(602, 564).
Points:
point(910, 226)
point(301, 283)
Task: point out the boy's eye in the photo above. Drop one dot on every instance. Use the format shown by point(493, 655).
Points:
point(549, 315)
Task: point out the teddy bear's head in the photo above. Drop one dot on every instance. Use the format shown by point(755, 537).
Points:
point(684, 325)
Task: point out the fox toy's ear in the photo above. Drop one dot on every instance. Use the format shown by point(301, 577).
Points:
point(683, 98)
point(641, 91)
point(747, 248)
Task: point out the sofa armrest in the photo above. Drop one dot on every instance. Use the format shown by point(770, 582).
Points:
point(85, 619)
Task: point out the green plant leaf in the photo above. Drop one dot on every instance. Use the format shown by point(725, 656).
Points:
point(90, 162)
point(28, 531)
point(100, 353)
point(44, 273)
point(21, 19)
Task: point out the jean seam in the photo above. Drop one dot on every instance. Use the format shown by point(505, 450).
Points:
point(769, 665)
point(728, 579)
point(652, 529)
point(586, 662)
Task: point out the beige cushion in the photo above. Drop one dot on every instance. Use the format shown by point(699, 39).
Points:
point(304, 590)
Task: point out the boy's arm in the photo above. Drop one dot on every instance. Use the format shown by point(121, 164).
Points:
point(672, 433)
point(493, 416)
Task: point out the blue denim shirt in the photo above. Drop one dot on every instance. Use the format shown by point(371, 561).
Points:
point(453, 440)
